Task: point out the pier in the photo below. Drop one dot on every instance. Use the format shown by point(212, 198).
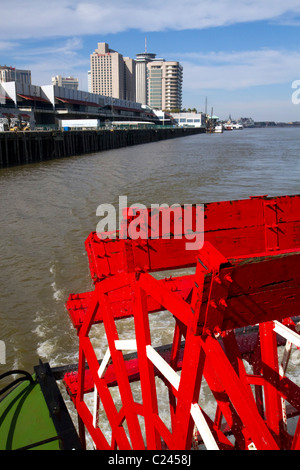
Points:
point(19, 148)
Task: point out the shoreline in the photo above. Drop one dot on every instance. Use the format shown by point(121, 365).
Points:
point(21, 148)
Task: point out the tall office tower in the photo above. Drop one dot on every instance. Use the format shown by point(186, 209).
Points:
point(66, 82)
point(142, 75)
point(129, 79)
point(111, 74)
point(11, 74)
point(165, 84)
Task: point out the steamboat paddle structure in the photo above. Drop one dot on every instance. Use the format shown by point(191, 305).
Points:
point(235, 323)
point(232, 303)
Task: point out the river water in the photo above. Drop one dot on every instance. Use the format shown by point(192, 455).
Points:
point(48, 209)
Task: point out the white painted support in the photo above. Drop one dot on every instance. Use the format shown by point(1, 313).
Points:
point(96, 403)
point(163, 367)
point(104, 363)
point(287, 333)
point(120, 345)
point(285, 358)
point(282, 370)
point(252, 446)
point(292, 338)
point(126, 345)
point(174, 380)
point(203, 428)
point(101, 372)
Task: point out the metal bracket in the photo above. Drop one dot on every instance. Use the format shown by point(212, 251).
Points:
point(208, 314)
point(271, 225)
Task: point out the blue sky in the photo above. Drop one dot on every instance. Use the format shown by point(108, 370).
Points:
point(241, 55)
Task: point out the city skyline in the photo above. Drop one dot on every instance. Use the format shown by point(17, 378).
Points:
point(240, 61)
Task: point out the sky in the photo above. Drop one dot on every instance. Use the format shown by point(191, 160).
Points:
point(239, 57)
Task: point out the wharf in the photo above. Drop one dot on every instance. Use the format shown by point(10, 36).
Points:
point(19, 148)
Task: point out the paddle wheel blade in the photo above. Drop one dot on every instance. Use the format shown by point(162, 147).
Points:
point(231, 320)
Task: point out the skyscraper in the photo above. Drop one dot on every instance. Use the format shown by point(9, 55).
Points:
point(165, 84)
point(142, 74)
point(112, 74)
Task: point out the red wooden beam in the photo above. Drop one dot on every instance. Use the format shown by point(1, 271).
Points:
point(247, 272)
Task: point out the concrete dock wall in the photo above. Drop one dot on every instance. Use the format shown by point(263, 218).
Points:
point(19, 148)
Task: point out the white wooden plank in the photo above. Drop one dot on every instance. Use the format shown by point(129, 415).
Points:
point(203, 428)
point(163, 367)
point(101, 372)
point(287, 333)
point(126, 344)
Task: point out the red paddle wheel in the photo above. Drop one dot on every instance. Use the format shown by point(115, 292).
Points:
point(229, 315)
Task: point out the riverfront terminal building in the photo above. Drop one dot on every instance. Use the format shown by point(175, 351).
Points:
point(190, 119)
point(44, 106)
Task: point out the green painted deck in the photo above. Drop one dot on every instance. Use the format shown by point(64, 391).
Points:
point(25, 420)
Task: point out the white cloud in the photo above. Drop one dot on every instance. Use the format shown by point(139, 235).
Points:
point(7, 45)
point(68, 48)
point(62, 57)
point(238, 70)
point(255, 83)
point(68, 17)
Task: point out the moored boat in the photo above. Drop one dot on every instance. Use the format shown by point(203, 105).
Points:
point(218, 129)
point(237, 125)
point(228, 126)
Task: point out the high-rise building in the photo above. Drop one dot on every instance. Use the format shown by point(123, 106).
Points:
point(11, 74)
point(67, 82)
point(129, 78)
point(165, 84)
point(173, 79)
point(142, 76)
point(112, 74)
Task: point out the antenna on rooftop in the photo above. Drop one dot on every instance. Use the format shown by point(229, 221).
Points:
point(145, 43)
